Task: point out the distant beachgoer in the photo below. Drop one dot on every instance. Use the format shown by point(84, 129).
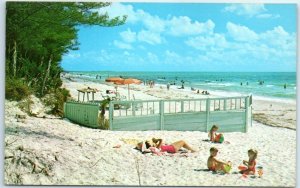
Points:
point(215, 165)
point(241, 83)
point(284, 86)
point(168, 86)
point(158, 143)
point(249, 167)
point(198, 91)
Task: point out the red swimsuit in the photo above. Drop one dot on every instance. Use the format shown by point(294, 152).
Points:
point(168, 148)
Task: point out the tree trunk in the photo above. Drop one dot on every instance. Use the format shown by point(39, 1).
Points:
point(42, 62)
point(47, 74)
point(15, 59)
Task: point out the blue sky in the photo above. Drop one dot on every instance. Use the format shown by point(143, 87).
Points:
point(189, 37)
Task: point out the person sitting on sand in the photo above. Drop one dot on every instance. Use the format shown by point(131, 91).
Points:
point(249, 167)
point(158, 143)
point(215, 165)
point(214, 137)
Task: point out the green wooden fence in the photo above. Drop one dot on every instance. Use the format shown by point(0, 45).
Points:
point(231, 114)
point(83, 113)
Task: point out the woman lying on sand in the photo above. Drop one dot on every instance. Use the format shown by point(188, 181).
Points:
point(158, 143)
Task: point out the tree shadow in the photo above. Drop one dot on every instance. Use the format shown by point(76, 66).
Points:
point(26, 131)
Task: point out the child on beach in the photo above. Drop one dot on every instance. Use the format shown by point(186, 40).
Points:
point(249, 167)
point(214, 137)
point(215, 165)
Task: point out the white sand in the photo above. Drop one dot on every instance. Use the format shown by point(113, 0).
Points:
point(57, 152)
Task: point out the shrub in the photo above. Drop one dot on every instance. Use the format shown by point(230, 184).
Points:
point(16, 89)
point(55, 100)
point(102, 122)
point(25, 105)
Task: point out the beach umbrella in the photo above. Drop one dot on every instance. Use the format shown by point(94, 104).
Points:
point(128, 81)
point(113, 79)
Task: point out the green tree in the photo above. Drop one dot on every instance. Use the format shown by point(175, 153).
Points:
point(38, 34)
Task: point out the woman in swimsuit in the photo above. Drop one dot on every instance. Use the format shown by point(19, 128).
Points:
point(249, 167)
point(171, 148)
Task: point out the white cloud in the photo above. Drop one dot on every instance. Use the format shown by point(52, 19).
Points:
point(149, 37)
point(268, 16)
point(241, 33)
point(216, 41)
point(246, 9)
point(176, 26)
point(128, 36)
point(250, 10)
point(73, 55)
point(152, 58)
point(122, 45)
point(183, 25)
point(279, 38)
point(126, 53)
point(171, 54)
point(118, 9)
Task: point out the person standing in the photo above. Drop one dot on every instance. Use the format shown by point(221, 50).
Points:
point(168, 86)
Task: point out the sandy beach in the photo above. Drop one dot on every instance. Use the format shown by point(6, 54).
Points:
point(53, 151)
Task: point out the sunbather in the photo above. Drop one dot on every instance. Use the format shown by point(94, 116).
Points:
point(158, 143)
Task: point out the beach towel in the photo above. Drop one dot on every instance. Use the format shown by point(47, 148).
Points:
point(131, 141)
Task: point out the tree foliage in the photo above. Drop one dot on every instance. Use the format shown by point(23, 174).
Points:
point(38, 34)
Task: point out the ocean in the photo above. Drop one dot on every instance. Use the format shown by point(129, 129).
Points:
point(265, 84)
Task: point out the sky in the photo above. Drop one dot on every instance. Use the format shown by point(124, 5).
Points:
point(190, 37)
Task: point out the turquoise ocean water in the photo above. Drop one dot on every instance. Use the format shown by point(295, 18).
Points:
point(272, 83)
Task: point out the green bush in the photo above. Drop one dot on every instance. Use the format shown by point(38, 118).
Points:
point(16, 90)
point(102, 122)
point(55, 100)
point(25, 105)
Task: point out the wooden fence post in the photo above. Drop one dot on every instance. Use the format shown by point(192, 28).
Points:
point(162, 113)
point(207, 113)
point(246, 111)
point(65, 110)
point(182, 106)
point(250, 106)
point(111, 115)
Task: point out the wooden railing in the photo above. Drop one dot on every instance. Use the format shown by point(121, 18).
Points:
point(229, 113)
point(84, 113)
